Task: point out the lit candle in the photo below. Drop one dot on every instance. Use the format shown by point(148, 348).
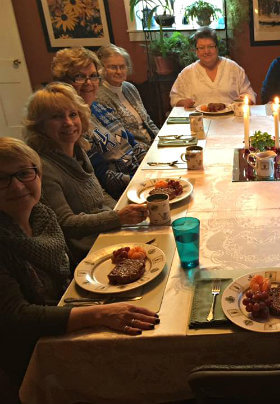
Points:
point(275, 108)
point(246, 116)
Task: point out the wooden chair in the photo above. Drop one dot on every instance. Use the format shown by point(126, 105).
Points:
point(234, 384)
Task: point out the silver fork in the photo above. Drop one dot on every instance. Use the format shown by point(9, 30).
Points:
point(216, 288)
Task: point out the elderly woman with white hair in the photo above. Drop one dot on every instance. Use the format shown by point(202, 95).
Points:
point(123, 96)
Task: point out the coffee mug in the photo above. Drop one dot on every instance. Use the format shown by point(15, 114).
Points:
point(159, 209)
point(237, 106)
point(196, 125)
point(263, 163)
point(193, 157)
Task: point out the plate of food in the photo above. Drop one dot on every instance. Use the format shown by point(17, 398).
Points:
point(120, 267)
point(253, 301)
point(176, 189)
point(214, 108)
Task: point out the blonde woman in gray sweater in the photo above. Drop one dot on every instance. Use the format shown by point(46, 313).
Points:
point(55, 121)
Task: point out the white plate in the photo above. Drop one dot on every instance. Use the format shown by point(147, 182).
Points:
point(223, 111)
point(138, 193)
point(92, 273)
point(235, 311)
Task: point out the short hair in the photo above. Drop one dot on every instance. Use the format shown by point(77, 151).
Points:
point(111, 50)
point(53, 98)
point(12, 148)
point(68, 62)
point(206, 32)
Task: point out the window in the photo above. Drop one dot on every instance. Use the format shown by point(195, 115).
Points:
point(179, 8)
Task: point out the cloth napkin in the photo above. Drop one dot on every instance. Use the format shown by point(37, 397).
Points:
point(202, 303)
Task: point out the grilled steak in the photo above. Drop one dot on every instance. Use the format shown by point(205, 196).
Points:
point(274, 295)
point(127, 271)
point(216, 106)
point(167, 190)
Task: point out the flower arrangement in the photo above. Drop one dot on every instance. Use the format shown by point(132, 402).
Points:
point(261, 141)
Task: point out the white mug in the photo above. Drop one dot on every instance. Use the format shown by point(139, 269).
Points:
point(193, 157)
point(159, 209)
point(263, 163)
point(237, 106)
point(196, 125)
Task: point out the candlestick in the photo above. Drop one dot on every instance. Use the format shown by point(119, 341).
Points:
point(275, 108)
point(246, 114)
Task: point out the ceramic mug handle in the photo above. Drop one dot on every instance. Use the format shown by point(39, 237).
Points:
point(253, 155)
point(184, 155)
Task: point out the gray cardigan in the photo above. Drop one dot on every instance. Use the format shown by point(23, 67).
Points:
point(72, 190)
point(106, 97)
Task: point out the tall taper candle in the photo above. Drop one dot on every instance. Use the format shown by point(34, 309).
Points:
point(275, 108)
point(246, 116)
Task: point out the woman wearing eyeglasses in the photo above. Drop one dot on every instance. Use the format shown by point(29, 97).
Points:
point(114, 153)
point(211, 78)
point(34, 270)
point(123, 96)
point(56, 120)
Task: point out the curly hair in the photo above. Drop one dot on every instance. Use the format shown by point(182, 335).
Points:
point(11, 148)
point(53, 98)
point(111, 50)
point(68, 62)
point(206, 32)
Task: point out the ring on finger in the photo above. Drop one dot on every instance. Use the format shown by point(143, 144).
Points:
point(125, 328)
point(132, 322)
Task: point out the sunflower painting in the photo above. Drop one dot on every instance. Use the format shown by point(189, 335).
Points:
point(75, 22)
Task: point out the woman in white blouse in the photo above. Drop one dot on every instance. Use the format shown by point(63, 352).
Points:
point(211, 78)
point(122, 96)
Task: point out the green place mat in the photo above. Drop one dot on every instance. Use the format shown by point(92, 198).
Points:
point(202, 303)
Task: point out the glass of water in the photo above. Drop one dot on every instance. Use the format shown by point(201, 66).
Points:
point(186, 233)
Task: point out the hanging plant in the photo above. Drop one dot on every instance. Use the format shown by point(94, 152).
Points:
point(237, 13)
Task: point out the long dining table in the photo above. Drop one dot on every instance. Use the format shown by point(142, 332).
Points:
point(239, 234)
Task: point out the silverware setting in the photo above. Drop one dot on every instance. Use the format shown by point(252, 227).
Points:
point(96, 300)
point(216, 288)
point(155, 163)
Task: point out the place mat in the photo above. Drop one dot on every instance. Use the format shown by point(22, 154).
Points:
point(178, 120)
point(152, 292)
point(167, 141)
point(243, 172)
point(201, 305)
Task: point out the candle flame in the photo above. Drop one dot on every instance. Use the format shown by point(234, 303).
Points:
point(276, 100)
point(246, 101)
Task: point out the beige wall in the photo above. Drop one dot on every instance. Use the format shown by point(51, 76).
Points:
point(255, 60)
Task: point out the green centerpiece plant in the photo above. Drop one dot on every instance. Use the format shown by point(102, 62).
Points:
point(261, 141)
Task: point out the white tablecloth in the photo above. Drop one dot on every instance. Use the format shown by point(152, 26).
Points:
point(240, 232)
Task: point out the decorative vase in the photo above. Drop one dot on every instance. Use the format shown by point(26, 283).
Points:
point(165, 20)
point(164, 65)
point(204, 20)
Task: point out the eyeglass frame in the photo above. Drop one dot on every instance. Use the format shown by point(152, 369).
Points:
point(208, 47)
point(11, 176)
point(92, 78)
point(115, 68)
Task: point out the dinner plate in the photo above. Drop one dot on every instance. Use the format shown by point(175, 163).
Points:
point(223, 111)
point(92, 273)
point(235, 310)
point(138, 193)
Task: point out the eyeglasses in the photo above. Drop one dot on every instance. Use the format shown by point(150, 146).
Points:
point(115, 68)
point(209, 47)
point(26, 175)
point(81, 78)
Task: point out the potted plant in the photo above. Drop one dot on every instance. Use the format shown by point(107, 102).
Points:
point(261, 141)
point(202, 11)
point(164, 20)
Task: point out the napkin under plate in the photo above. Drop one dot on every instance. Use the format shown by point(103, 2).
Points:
point(202, 301)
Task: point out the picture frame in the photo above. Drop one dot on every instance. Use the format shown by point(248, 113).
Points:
point(264, 22)
point(80, 23)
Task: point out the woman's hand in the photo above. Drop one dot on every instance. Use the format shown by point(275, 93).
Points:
point(127, 318)
point(122, 317)
point(133, 214)
point(186, 103)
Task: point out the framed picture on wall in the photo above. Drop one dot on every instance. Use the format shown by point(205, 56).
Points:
point(264, 22)
point(69, 23)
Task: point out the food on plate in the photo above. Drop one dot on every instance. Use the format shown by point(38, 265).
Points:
point(274, 295)
point(213, 107)
point(127, 271)
point(172, 188)
point(257, 299)
point(123, 253)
